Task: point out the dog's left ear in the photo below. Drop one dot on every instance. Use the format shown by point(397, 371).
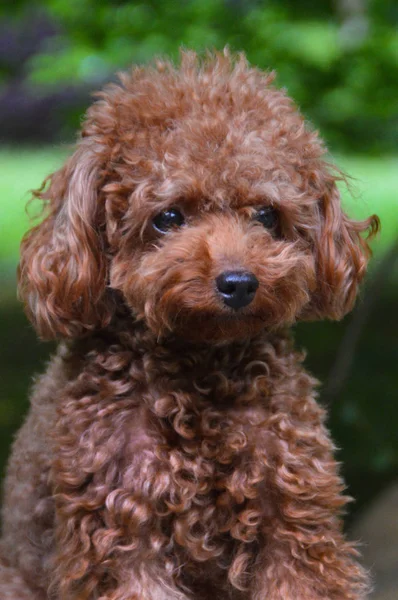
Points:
point(341, 255)
point(63, 270)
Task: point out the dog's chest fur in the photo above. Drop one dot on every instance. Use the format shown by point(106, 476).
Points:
point(168, 454)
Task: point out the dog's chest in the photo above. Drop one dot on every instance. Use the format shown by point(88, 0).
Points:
point(200, 463)
point(172, 466)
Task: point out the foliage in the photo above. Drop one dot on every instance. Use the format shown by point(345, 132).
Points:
point(337, 59)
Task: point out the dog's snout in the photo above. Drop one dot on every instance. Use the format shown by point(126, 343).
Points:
point(237, 288)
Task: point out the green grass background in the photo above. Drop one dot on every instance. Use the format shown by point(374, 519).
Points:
point(22, 169)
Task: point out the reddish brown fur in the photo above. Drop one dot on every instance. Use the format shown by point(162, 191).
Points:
point(174, 449)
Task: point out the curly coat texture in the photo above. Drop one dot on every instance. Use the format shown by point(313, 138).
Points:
point(174, 449)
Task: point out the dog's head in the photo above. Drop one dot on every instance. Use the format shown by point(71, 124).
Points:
point(198, 198)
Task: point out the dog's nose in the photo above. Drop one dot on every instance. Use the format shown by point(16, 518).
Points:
point(237, 288)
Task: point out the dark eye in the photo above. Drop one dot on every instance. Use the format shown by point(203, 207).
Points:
point(267, 216)
point(168, 219)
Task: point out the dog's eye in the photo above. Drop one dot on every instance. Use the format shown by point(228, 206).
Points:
point(267, 216)
point(168, 219)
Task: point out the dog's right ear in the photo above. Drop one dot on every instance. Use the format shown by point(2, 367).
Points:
point(63, 270)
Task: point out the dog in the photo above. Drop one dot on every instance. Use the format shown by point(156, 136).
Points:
point(174, 449)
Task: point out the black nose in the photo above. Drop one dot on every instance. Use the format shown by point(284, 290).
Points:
point(237, 288)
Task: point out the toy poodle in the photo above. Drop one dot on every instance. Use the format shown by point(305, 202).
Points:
point(174, 449)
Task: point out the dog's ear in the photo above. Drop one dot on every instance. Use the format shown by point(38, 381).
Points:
point(341, 256)
point(63, 271)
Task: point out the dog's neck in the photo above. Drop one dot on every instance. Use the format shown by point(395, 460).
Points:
point(177, 358)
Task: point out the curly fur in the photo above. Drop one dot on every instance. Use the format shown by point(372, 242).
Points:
point(175, 449)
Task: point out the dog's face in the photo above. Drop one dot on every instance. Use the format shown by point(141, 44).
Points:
point(210, 249)
point(201, 199)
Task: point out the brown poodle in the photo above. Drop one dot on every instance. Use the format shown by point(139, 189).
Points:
point(174, 449)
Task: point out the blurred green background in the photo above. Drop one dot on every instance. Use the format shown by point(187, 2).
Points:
point(339, 61)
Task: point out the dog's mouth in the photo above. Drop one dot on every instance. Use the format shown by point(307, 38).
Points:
point(243, 316)
point(217, 326)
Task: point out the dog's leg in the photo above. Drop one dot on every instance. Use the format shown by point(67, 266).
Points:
point(305, 555)
point(287, 577)
point(307, 560)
